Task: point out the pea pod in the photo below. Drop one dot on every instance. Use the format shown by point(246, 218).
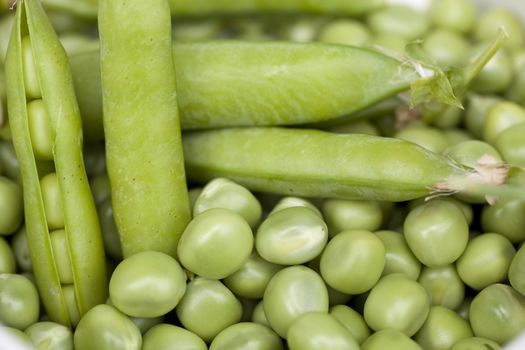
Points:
point(268, 83)
point(199, 8)
point(141, 124)
point(313, 163)
point(37, 70)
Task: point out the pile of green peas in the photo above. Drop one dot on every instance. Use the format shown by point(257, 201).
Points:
point(259, 270)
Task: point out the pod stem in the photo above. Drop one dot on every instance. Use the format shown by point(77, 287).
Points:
point(487, 178)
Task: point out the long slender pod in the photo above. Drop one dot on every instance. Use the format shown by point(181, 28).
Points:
point(236, 83)
point(63, 231)
point(141, 123)
point(315, 163)
point(201, 8)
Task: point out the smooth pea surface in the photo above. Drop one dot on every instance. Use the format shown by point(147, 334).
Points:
point(486, 260)
point(399, 20)
point(442, 329)
point(61, 254)
point(109, 230)
point(345, 32)
point(469, 152)
point(226, 194)
point(50, 336)
point(344, 215)
point(517, 271)
point(251, 279)
point(291, 236)
point(11, 206)
point(511, 144)
point(169, 337)
point(506, 218)
point(497, 313)
point(52, 201)
point(215, 243)
point(397, 302)
point(398, 256)
point(7, 258)
point(476, 343)
point(443, 285)
point(436, 232)
point(476, 111)
point(105, 328)
point(147, 284)
point(496, 75)
point(247, 335)
point(495, 18)
point(352, 320)
point(207, 308)
point(40, 130)
point(390, 339)
point(319, 331)
point(353, 261)
point(447, 47)
point(458, 15)
point(19, 302)
point(501, 117)
point(300, 284)
point(428, 137)
point(291, 201)
point(258, 315)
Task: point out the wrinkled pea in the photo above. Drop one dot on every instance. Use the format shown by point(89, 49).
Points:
point(352, 320)
point(19, 302)
point(443, 285)
point(291, 236)
point(398, 256)
point(343, 215)
point(169, 337)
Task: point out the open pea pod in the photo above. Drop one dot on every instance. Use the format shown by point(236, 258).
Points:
point(62, 226)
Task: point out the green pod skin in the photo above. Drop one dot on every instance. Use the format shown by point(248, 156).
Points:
point(269, 83)
point(144, 159)
point(202, 8)
point(313, 163)
point(85, 245)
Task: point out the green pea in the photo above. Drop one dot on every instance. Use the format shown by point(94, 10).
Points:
point(11, 206)
point(498, 313)
point(100, 188)
point(52, 201)
point(517, 271)
point(258, 315)
point(352, 320)
point(144, 324)
point(61, 254)
point(291, 201)
point(458, 15)
point(398, 256)
point(436, 232)
point(389, 339)
point(511, 144)
point(215, 243)
point(31, 84)
point(447, 47)
point(169, 337)
point(19, 303)
point(449, 117)
point(225, 194)
point(506, 218)
point(246, 335)
point(469, 152)
point(476, 112)
point(345, 32)
point(50, 336)
point(496, 76)
point(455, 135)
point(493, 252)
point(397, 302)
point(207, 308)
point(20, 249)
point(248, 305)
point(500, 117)
point(7, 258)
point(193, 194)
point(427, 137)
point(251, 279)
point(105, 328)
point(403, 21)
point(300, 284)
point(442, 329)
point(495, 18)
point(443, 285)
point(291, 236)
point(390, 42)
point(343, 215)
point(40, 130)
point(466, 208)
point(353, 261)
point(147, 284)
point(70, 299)
point(476, 343)
point(319, 331)
point(109, 230)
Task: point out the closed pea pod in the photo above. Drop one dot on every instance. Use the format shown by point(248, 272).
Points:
point(44, 71)
point(144, 160)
